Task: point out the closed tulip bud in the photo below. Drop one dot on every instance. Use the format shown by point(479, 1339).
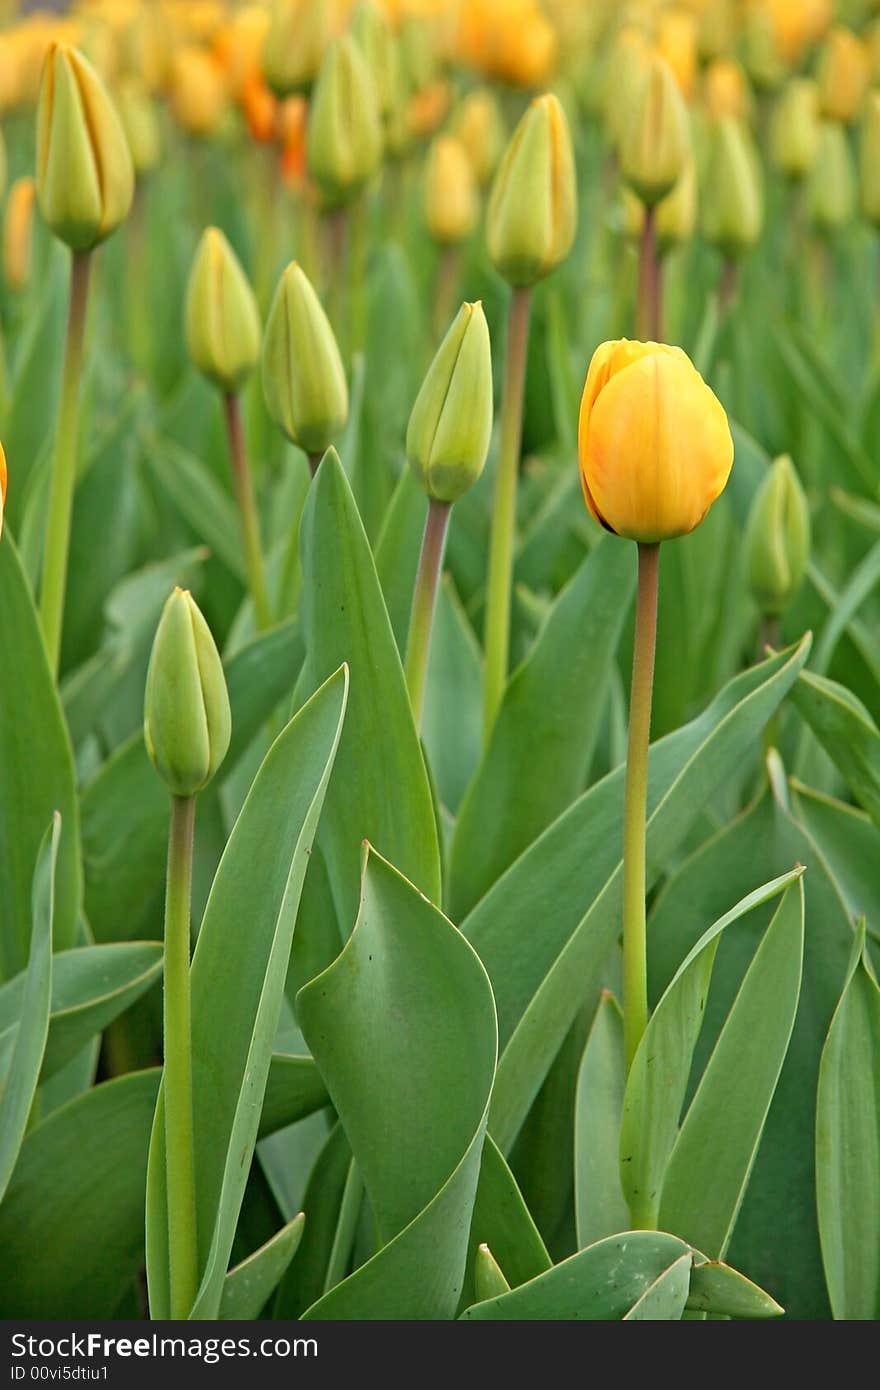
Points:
point(653, 440)
point(85, 177)
point(451, 422)
point(451, 202)
point(763, 59)
point(478, 125)
point(303, 377)
point(374, 35)
point(18, 233)
point(777, 539)
point(140, 121)
point(344, 140)
point(656, 140)
point(532, 213)
point(677, 43)
point(625, 67)
point(198, 92)
point(187, 721)
point(675, 216)
point(2, 485)
point(832, 189)
point(869, 159)
point(726, 90)
point(222, 319)
point(844, 72)
point(794, 129)
point(716, 31)
point(298, 34)
point(733, 199)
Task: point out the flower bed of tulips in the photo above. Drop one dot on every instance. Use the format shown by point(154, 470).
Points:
point(440, 660)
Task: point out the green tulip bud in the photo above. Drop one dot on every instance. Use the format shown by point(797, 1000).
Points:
point(344, 140)
point(869, 159)
point(296, 39)
point(187, 721)
point(376, 40)
point(222, 319)
point(140, 121)
point(532, 212)
point(303, 377)
point(447, 439)
point(794, 128)
point(733, 201)
point(489, 1279)
point(832, 188)
point(777, 538)
point(656, 140)
point(85, 176)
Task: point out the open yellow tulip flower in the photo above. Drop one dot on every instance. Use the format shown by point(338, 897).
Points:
point(654, 443)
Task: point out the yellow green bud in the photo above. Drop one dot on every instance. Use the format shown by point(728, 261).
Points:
point(344, 141)
point(843, 75)
point(222, 319)
point(794, 128)
point(451, 201)
point(777, 538)
point(377, 42)
point(532, 213)
point(187, 721)
point(832, 189)
point(140, 121)
point(733, 200)
point(296, 39)
point(447, 439)
point(656, 139)
point(762, 58)
point(676, 214)
point(478, 124)
point(85, 177)
point(303, 377)
point(869, 159)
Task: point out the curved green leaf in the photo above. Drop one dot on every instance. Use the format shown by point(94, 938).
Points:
point(847, 732)
point(545, 734)
point(381, 791)
point(502, 1221)
point(31, 1015)
point(402, 1026)
point(666, 1298)
point(249, 1286)
point(720, 1290)
point(600, 1206)
point(306, 1279)
point(36, 774)
point(848, 1146)
point(238, 987)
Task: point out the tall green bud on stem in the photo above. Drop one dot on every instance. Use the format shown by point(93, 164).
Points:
point(303, 376)
point(777, 543)
point(655, 148)
point(223, 338)
point(446, 444)
point(734, 199)
point(530, 227)
point(187, 726)
point(85, 185)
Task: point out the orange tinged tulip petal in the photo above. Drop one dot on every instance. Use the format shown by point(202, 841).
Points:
point(654, 443)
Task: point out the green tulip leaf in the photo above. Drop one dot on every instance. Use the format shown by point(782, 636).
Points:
point(847, 732)
point(664, 1300)
point(600, 1206)
point(201, 501)
point(721, 1291)
point(248, 1287)
point(307, 1280)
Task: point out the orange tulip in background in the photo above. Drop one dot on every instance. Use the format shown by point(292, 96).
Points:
point(654, 444)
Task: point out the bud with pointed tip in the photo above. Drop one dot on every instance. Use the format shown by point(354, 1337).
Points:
point(140, 122)
point(187, 720)
point(18, 233)
point(794, 128)
point(344, 139)
point(451, 203)
point(489, 1278)
point(843, 75)
point(832, 190)
point(296, 39)
point(869, 159)
point(198, 94)
point(777, 538)
point(447, 439)
point(726, 90)
point(303, 377)
point(733, 200)
point(532, 213)
point(85, 177)
point(656, 139)
point(222, 319)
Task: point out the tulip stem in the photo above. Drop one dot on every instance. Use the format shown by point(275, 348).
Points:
point(177, 1078)
point(247, 512)
point(63, 482)
point(446, 288)
point(650, 306)
point(504, 514)
point(635, 969)
point(418, 646)
point(314, 461)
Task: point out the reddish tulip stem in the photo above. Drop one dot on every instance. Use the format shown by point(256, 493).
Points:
point(446, 288)
point(650, 305)
point(635, 969)
point(497, 628)
point(63, 483)
point(728, 287)
point(421, 622)
point(247, 512)
point(314, 461)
